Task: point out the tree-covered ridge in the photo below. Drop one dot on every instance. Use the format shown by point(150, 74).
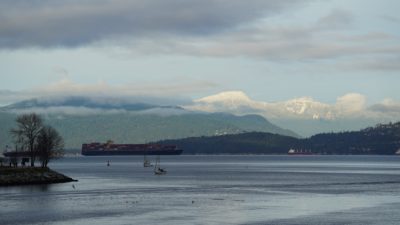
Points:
point(245, 143)
point(381, 139)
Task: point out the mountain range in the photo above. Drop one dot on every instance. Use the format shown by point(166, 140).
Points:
point(83, 119)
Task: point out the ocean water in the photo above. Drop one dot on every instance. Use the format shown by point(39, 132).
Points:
point(213, 190)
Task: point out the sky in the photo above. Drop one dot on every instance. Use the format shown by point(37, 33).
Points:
point(272, 51)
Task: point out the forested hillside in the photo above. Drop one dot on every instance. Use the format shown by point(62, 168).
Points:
point(381, 139)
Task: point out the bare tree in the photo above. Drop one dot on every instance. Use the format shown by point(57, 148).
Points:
point(49, 145)
point(27, 132)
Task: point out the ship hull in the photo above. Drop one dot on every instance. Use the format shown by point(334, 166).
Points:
point(135, 152)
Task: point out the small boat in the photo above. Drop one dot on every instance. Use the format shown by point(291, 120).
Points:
point(157, 169)
point(146, 162)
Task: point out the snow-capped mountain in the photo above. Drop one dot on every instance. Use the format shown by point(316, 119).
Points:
point(231, 101)
point(239, 103)
point(305, 107)
point(347, 106)
point(305, 115)
point(232, 98)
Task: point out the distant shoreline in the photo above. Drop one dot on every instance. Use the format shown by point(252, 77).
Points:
point(77, 154)
point(10, 176)
point(227, 154)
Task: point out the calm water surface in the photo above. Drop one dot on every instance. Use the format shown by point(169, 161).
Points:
point(213, 190)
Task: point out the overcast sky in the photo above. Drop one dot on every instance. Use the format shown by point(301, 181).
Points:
point(271, 50)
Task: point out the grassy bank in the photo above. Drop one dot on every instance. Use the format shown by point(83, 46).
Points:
point(28, 175)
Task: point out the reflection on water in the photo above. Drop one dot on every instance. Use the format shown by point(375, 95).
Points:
point(213, 190)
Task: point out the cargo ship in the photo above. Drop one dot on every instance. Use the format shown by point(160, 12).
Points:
point(109, 148)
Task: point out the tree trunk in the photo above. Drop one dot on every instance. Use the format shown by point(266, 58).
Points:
point(32, 150)
point(32, 160)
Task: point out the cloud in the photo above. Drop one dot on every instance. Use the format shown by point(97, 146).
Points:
point(60, 111)
point(277, 44)
point(7, 96)
point(337, 18)
point(216, 28)
point(153, 93)
point(47, 23)
point(387, 106)
point(326, 38)
point(350, 103)
point(390, 18)
point(349, 106)
point(385, 64)
point(66, 110)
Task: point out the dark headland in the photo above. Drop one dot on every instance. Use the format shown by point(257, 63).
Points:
point(10, 176)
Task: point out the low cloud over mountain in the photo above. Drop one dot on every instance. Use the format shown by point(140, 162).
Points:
point(305, 115)
point(351, 105)
point(85, 119)
point(91, 105)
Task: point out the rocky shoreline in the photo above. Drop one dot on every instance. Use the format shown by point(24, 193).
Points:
point(28, 175)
